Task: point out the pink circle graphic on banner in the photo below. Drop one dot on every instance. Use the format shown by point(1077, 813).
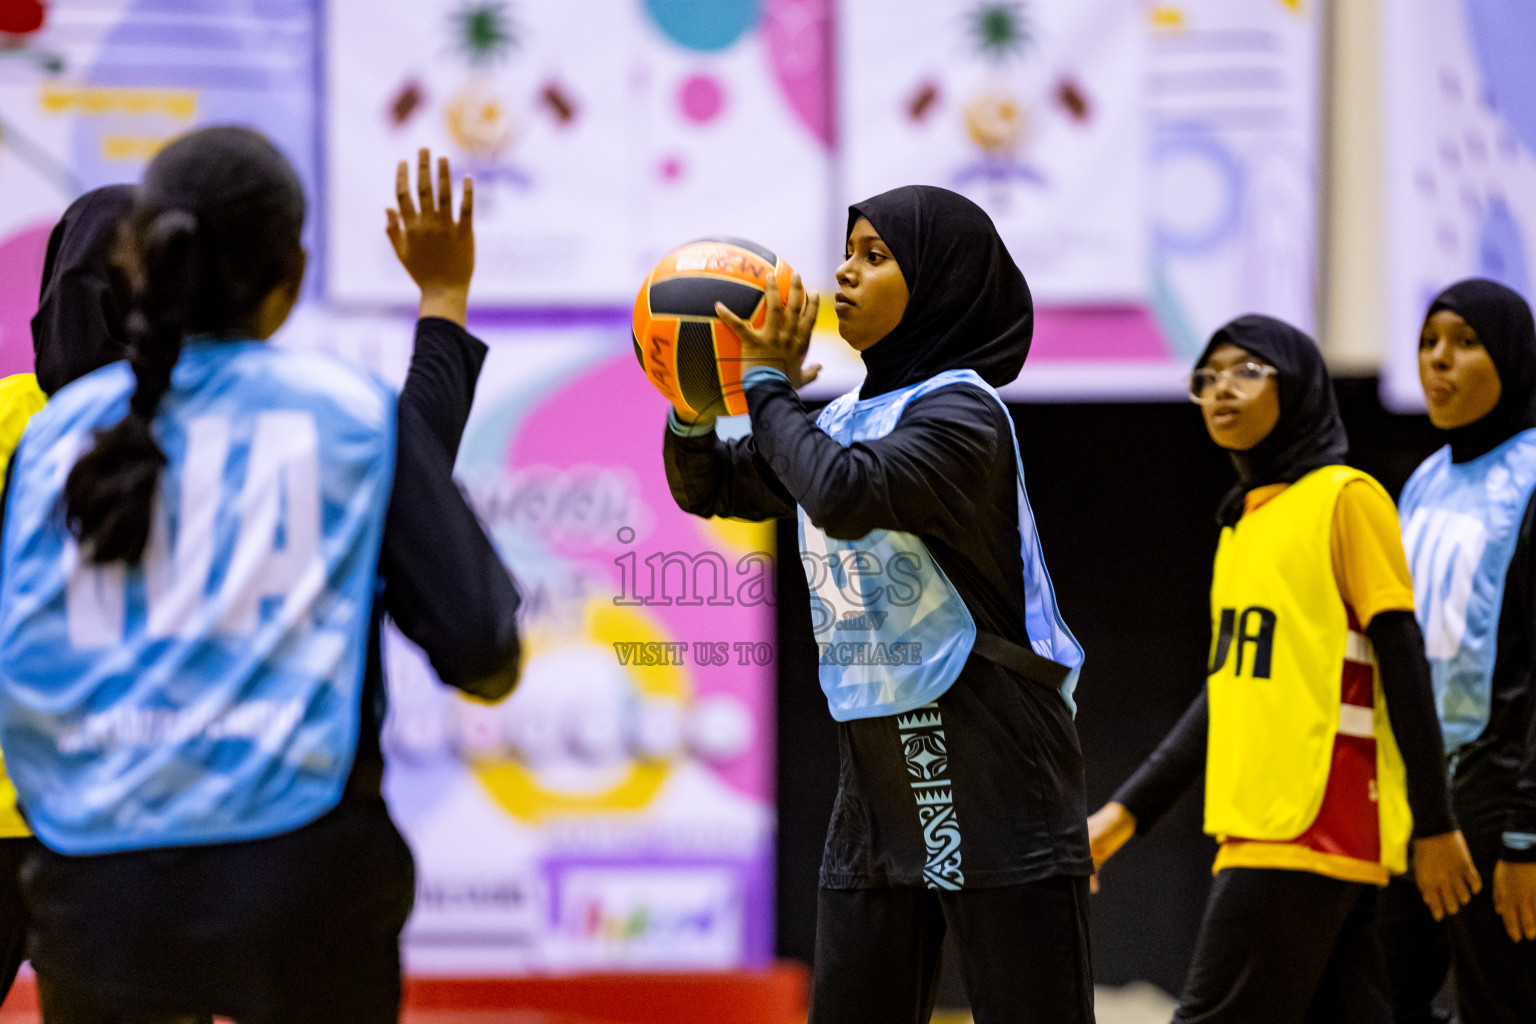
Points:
point(671, 169)
point(701, 98)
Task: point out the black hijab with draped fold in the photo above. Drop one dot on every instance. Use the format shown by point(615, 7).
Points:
point(1502, 321)
point(968, 306)
point(1309, 433)
point(79, 323)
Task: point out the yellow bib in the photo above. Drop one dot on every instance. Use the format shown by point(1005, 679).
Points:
point(1280, 631)
point(20, 397)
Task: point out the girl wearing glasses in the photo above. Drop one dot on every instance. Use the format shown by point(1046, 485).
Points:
point(1309, 785)
point(1468, 519)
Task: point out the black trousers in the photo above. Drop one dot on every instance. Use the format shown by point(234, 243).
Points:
point(1495, 978)
point(1418, 952)
point(1286, 947)
point(1024, 953)
point(13, 912)
point(300, 928)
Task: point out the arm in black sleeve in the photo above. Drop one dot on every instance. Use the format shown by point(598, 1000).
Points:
point(1520, 594)
point(711, 477)
point(1520, 819)
point(444, 584)
point(1411, 704)
point(1173, 767)
point(440, 386)
point(920, 478)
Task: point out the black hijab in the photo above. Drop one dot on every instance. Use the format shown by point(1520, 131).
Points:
point(1502, 321)
point(1309, 433)
point(79, 323)
point(968, 306)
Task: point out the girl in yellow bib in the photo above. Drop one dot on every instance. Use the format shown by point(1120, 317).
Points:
point(1309, 781)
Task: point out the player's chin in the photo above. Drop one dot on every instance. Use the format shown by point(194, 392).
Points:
point(848, 330)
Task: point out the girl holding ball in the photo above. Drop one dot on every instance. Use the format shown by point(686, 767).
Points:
point(960, 804)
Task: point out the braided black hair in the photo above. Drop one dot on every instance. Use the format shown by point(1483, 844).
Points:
point(216, 227)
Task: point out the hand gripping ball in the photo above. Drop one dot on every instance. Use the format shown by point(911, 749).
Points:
point(690, 356)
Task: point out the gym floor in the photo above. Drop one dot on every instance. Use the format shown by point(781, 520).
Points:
point(1133, 1004)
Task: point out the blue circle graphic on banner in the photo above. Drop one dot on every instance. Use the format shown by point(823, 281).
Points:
point(1195, 143)
point(705, 25)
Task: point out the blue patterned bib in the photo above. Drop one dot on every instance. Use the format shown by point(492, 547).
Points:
point(211, 693)
point(892, 631)
point(1460, 525)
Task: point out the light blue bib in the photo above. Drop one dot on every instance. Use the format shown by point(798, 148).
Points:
point(212, 693)
point(1460, 525)
point(892, 631)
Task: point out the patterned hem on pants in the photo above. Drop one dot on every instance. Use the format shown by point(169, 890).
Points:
point(927, 756)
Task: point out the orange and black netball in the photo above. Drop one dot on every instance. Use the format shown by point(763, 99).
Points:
point(687, 353)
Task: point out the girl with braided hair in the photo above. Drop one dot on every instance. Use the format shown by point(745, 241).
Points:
point(190, 681)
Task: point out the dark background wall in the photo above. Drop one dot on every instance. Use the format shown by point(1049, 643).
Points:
point(1125, 497)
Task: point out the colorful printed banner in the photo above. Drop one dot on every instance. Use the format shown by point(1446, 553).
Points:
point(600, 134)
point(616, 812)
point(1460, 93)
point(89, 96)
point(1033, 110)
point(1233, 97)
point(1152, 166)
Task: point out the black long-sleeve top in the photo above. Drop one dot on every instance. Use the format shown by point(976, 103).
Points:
point(1494, 776)
point(440, 579)
point(945, 473)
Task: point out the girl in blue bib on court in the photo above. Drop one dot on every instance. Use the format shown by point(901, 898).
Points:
point(199, 545)
point(1469, 518)
point(943, 657)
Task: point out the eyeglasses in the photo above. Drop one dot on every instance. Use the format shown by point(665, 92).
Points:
point(1245, 378)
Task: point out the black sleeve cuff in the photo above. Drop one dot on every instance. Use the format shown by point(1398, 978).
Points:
point(442, 326)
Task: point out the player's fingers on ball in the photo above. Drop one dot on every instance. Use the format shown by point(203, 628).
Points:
point(424, 180)
point(734, 322)
point(403, 189)
point(796, 294)
point(808, 316)
point(775, 304)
